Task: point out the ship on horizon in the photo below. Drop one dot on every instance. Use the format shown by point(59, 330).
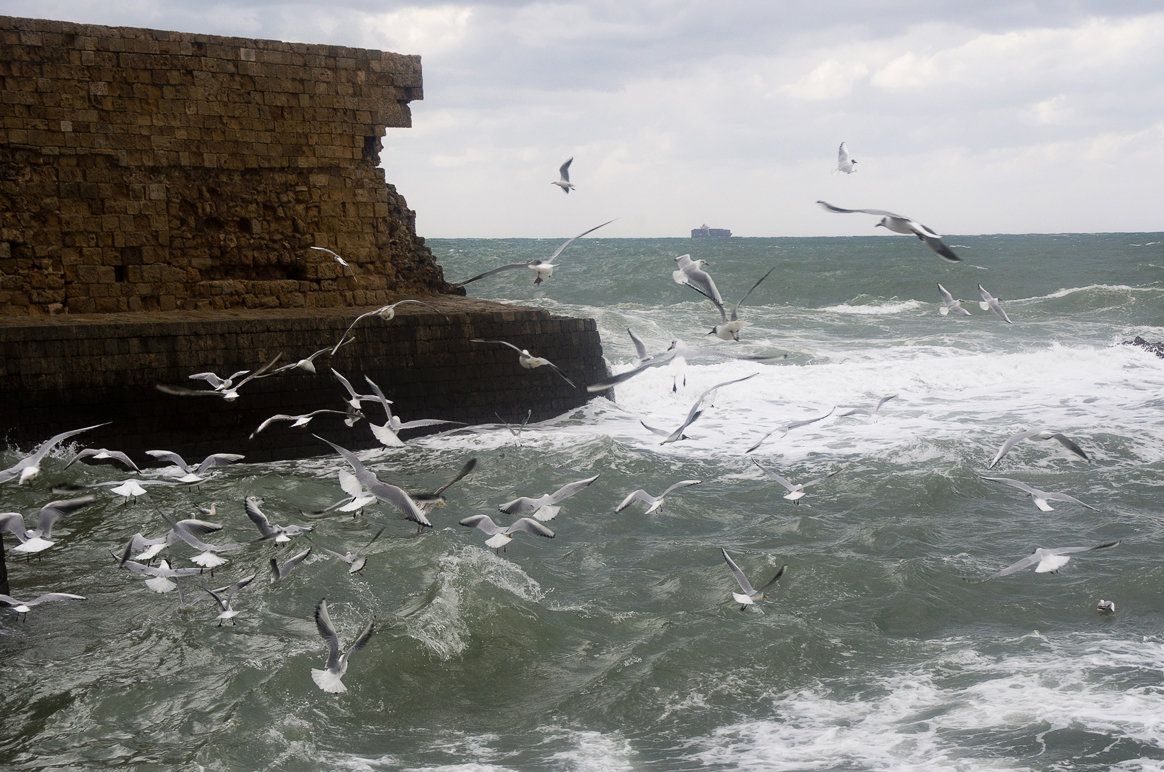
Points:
point(704, 232)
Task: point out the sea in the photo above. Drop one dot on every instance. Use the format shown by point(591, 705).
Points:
point(617, 644)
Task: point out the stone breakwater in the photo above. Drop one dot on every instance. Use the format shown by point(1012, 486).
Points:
point(59, 373)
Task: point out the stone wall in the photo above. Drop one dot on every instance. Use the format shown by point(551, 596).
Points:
point(71, 371)
point(144, 170)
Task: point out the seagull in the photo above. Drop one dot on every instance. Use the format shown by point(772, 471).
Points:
point(749, 595)
point(500, 536)
point(899, 224)
point(357, 497)
point(654, 502)
point(528, 360)
point(308, 362)
point(795, 490)
point(354, 401)
point(338, 259)
point(1040, 497)
point(563, 180)
point(128, 489)
point(949, 304)
point(546, 506)
point(328, 679)
point(357, 559)
point(194, 474)
point(789, 427)
point(543, 268)
point(149, 547)
point(1047, 560)
point(224, 596)
point(102, 454)
point(388, 433)
point(27, 468)
point(869, 411)
point(280, 533)
point(677, 351)
point(385, 492)
point(37, 539)
point(695, 412)
point(296, 420)
point(24, 606)
point(1105, 606)
point(192, 536)
point(844, 162)
point(219, 387)
point(426, 501)
point(990, 303)
point(730, 329)
point(1038, 434)
point(387, 313)
point(691, 273)
point(161, 578)
point(278, 574)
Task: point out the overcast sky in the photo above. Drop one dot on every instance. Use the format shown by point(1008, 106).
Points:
point(988, 116)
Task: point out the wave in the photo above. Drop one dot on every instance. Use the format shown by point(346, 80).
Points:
point(875, 308)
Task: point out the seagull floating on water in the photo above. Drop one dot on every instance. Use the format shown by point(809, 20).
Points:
point(543, 269)
point(27, 468)
point(900, 224)
point(1105, 606)
point(990, 303)
point(563, 180)
point(749, 595)
point(949, 304)
point(328, 679)
point(653, 502)
point(1048, 560)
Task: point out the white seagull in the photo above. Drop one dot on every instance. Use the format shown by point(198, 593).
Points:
point(37, 539)
point(308, 362)
point(388, 433)
point(543, 269)
point(27, 468)
point(795, 490)
point(357, 497)
point(692, 274)
point(563, 180)
point(500, 536)
point(653, 502)
point(296, 420)
point(1037, 434)
point(528, 360)
point(695, 412)
point(1040, 497)
point(226, 388)
point(24, 606)
point(899, 224)
point(338, 259)
point(729, 329)
point(192, 473)
point(149, 547)
point(990, 303)
point(385, 492)
point(357, 559)
point(844, 162)
point(328, 679)
point(387, 313)
point(280, 533)
point(869, 411)
point(949, 304)
point(160, 578)
point(546, 506)
point(749, 594)
point(224, 596)
point(1048, 560)
point(191, 535)
point(789, 427)
point(278, 573)
point(102, 454)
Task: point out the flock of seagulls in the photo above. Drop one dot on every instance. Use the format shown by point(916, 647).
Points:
point(363, 488)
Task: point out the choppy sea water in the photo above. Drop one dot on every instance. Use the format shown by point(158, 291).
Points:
point(616, 645)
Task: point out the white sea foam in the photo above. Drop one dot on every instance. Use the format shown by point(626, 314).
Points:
point(875, 309)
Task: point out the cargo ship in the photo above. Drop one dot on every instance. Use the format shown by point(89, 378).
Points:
point(703, 232)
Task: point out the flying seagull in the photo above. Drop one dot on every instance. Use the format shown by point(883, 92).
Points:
point(338, 259)
point(208, 558)
point(227, 388)
point(27, 468)
point(1040, 497)
point(869, 411)
point(653, 502)
point(280, 533)
point(749, 595)
point(990, 303)
point(328, 679)
point(308, 362)
point(949, 304)
point(789, 427)
point(24, 606)
point(563, 180)
point(500, 536)
point(356, 559)
point(296, 420)
point(795, 490)
point(730, 329)
point(528, 360)
point(224, 597)
point(1037, 434)
point(160, 578)
point(38, 539)
point(102, 454)
point(385, 492)
point(695, 412)
point(546, 506)
point(692, 273)
point(543, 268)
point(278, 573)
point(899, 224)
point(1046, 560)
point(387, 313)
point(388, 432)
point(844, 162)
point(194, 473)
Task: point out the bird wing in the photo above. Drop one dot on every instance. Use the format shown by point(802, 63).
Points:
point(1010, 443)
point(568, 242)
point(879, 212)
point(1053, 496)
point(636, 495)
point(53, 596)
point(502, 342)
point(499, 269)
point(529, 526)
point(55, 510)
point(564, 169)
point(1071, 446)
point(218, 459)
point(745, 585)
point(934, 242)
point(258, 518)
point(172, 457)
point(327, 632)
point(736, 310)
point(775, 578)
point(13, 522)
point(361, 640)
point(481, 522)
point(469, 466)
point(1022, 486)
point(1029, 560)
point(777, 477)
point(680, 484)
point(640, 348)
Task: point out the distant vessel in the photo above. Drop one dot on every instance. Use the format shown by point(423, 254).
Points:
point(703, 232)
